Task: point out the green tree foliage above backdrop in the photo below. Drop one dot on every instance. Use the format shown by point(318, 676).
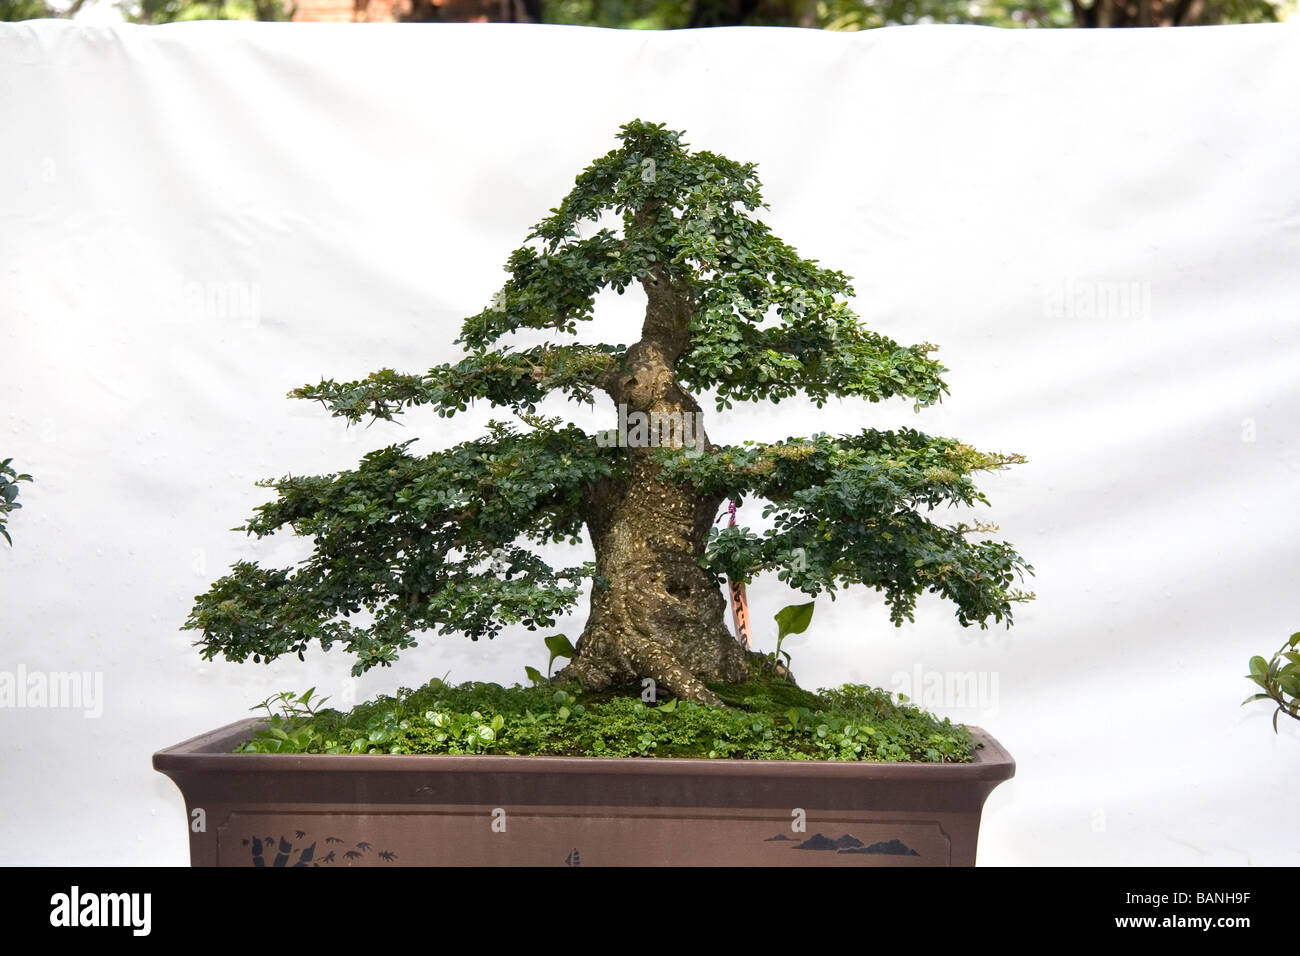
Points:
point(677, 14)
point(156, 11)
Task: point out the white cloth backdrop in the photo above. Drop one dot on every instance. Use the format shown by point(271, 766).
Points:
point(1101, 229)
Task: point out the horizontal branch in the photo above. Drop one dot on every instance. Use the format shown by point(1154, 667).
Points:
point(518, 379)
point(873, 471)
point(553, 288)
point(417, 543)
point(851, 510)
point(902, 555)
point(817, 346)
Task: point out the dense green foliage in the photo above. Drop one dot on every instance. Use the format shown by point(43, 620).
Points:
point(847, 511)
point(156, 11)
point(424, 543)
point(9, 494)
point(676, 14)
point(867, 14)
point(24, 10)
point(441, 541)
point(1279, 679)
point(765, 720)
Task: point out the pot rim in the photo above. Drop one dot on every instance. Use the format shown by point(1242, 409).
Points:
point(210, 752)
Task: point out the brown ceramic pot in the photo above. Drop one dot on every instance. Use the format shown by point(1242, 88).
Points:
point(397, 810)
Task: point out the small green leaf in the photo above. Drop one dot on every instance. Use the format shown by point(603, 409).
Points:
point(794, 619)
point(559, 646)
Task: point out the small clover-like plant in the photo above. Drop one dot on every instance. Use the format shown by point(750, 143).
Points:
point(769, 719)
point(288, 719)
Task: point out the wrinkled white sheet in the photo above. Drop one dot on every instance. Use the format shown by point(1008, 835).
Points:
point(1101, 229)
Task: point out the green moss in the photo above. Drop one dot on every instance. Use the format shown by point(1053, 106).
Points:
point(766, 694)
point(766, 718)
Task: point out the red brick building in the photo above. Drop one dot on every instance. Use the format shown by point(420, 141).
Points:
point(392, 11)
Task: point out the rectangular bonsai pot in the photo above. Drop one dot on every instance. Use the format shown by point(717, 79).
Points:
point(397, 810)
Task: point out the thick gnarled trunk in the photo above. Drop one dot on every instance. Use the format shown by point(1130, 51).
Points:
point(654, 610)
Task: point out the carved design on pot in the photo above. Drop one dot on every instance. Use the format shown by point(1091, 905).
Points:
point(260, 849)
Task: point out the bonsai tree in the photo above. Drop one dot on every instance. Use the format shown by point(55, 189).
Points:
point(446, 540)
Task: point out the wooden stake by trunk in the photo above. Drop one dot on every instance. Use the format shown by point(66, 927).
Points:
point(740, 613)
point(739, 606)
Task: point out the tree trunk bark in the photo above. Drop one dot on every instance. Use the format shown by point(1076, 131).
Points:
point(654, 610)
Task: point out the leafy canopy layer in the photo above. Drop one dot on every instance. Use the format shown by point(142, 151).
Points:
point(441, 541)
